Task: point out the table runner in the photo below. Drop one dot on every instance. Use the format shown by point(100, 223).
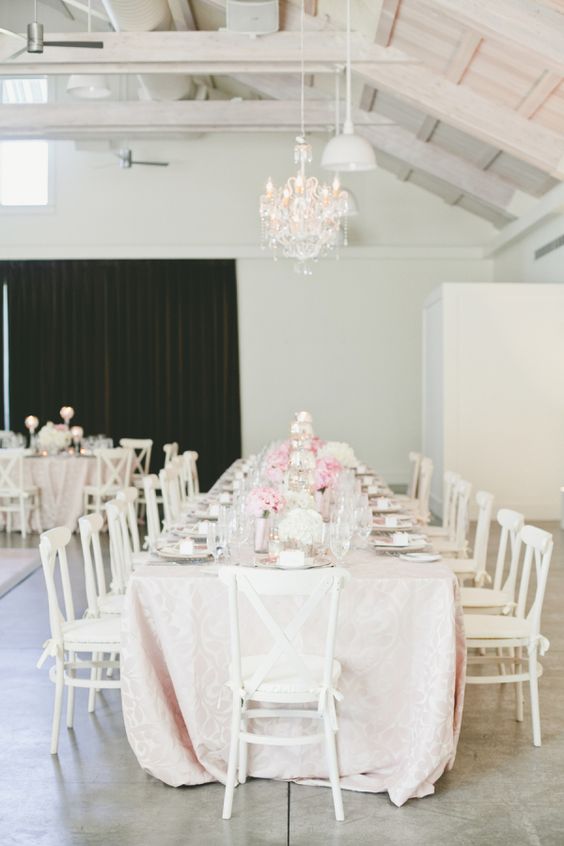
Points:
point(400, 642)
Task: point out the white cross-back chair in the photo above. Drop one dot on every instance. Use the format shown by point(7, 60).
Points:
point(100, 601)
point(120, 547)
point(113, 472)
point(151, 486)
point(424, 489)
point(141, 460)
point(190, 458)
point(519, 634)
point(71, 637)
point(179, 466)
point(474, 568)
point(169, 481)
point(500, 597)
point(15, 496)
point(170, 451)
point(410, 495)
point(285, 675)
point(447, 527)
point(129, 496)
point(457, 544)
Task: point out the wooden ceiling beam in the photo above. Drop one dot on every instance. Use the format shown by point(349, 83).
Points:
point(532, 28)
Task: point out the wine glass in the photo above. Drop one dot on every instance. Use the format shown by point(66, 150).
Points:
point(364, 521)
point(340, 534)
point(212, 544)
point(239, 533)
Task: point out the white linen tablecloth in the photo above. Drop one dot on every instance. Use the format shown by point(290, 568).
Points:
point(61, 480)
point(401, 645)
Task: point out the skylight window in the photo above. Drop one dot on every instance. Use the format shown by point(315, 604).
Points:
point(24, 165)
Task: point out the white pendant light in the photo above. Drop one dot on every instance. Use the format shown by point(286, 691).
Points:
point(348, 152)
point(88, 86)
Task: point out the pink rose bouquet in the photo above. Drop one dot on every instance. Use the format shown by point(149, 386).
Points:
point(316, 444)
point(262, 501)
point(326, 471)
point(277, 462)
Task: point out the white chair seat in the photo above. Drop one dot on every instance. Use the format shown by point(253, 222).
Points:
point(475, 597)
point(461, 566)
point(28, 491)
point(111, 603)
point(94, 489)
point(495, 627)
point(89, 632)
point(283, 678)
point(436, 532)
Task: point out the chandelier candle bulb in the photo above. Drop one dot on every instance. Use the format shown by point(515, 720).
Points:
point(67, 413)
point(31, 423)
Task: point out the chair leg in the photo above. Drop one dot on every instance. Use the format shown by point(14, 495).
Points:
point(110, 670)
point(92, 691)
point(534, 685)
point(518, 686)
point(59, 689)
point(70, 696)
point(38, 514)
point(243, 752)
point(332, 764)
point(23, 520)
point(233, 750)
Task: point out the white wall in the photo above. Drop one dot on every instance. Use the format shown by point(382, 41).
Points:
point(517, 262)
point(345, 345)
point(503, 372)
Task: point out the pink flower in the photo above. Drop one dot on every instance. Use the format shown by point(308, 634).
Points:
point(316, 443)
point(326, 471)
point(277, 462)
point(261, 501)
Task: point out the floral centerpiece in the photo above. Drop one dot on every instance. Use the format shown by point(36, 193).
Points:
point(276, 463)
point(339, 450)
point(53, 438)
point(326, 471)
point(261, 503)
point(302, 527)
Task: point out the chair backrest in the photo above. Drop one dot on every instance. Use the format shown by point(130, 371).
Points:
point(484, 501)
point(129, 496)
point(170, 490)
point(141, 459)
point(509, 549)
point(459, 531)
point(191, 472)
point(90, 527)
point(538, 546)
point(11, 471)
point(415, 459)
point(52, 549)
point(120, 548)
point(151, 486)
point(178, 464)
point(113, 469)
point(314, 586)
point(424, 487)
point(170, 451)
point(450, 480)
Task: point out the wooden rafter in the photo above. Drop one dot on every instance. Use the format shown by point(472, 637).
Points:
point(182, 15)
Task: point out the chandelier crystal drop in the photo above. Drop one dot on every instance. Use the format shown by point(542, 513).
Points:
point(303, 219)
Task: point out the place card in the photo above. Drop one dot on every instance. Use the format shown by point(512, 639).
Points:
point(225, 499)
point(400, 539)
point(186, 547)
point(203, 527)
point(383, 502)
point(292, 558)
point(213, 510)
point(391, 521)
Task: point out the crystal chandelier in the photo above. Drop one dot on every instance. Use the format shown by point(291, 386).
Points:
point(302, 219)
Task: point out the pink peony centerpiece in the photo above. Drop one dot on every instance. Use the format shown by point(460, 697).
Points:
point(261, 502)
point(326, 471)
point(316, 444)
point(277, 462)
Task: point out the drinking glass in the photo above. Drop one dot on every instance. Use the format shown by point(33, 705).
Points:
point(212, 541)
point(364, 520)
point(340, 533)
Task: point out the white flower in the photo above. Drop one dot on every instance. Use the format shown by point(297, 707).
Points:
point(302, 525)
point(297, 499)
point(339, 450)
point(51, 438)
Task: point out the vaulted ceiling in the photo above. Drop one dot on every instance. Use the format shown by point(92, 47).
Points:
point(464, 98)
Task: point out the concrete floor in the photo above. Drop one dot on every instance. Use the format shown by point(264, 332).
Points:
point(501, 791)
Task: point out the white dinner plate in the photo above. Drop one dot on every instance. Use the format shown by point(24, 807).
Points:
point(413, 545)
point(390, 509)
point(171, 552)
point(309, 565)
point(422, 557)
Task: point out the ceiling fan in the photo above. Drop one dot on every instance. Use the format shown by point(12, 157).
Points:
point(35, 40)
point(126, 160)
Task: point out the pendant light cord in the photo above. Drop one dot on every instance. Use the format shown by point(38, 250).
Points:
point(302, 71)
point(89, 15)
point(348, 118)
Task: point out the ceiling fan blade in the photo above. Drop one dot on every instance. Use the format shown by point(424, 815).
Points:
point(92, 44)
point(12, 34)
point(151, 164)
point(15, 55)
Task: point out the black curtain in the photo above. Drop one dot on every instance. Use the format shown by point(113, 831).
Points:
point(140, 348)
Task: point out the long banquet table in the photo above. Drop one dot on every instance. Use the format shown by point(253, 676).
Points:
point(61, 480)
point(401, 645)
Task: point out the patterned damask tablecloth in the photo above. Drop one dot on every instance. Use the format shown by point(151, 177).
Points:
point(401, 645)
point(61, 480)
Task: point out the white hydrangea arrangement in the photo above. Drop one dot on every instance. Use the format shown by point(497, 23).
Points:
point(297, 499)
point(302, 525)
point(341, 451)
point(53, 438)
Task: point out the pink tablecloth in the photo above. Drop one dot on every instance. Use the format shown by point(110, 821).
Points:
point(61, 480)
point(401, 645)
